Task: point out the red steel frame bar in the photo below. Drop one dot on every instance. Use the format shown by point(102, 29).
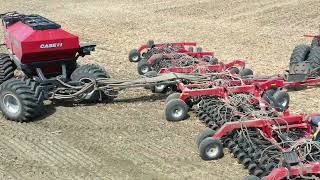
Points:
point(254, 86)
point(181, 44)
point(311, 36)
point(255, 89)
point(282, 172)
point(291, 121)
point(203, 68)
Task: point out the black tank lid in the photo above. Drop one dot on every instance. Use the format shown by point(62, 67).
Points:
point(39, 23)
point(36, 22)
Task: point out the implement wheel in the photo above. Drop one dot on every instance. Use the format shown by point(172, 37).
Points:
point(176, 110)
point(268, 95)
point(21, 100)
point(211, 149)
point(172, 96)
point(234, 70)
point(143, 67)
point(207, 132)
point(134, 56)
point(246, 72)
point(281, 100)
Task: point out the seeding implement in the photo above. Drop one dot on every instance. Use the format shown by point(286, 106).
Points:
point(269, 147)
point(149, 49)
point(269, 144)
point(153, 57)
point(222, 86)
point(235, 66)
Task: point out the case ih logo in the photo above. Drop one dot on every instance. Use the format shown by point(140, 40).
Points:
point(53, 45)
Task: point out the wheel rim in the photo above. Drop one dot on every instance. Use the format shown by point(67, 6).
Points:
point(11, 103)
point(144, 69)
point(212, 151)
point(284, 103)
point(177, 112)
point(160, 87)
point(135, 58)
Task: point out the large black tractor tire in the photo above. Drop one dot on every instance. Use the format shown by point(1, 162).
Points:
point(21, 100)
point(300, 53)
point(314, 58)
point(7, 68)
point(91, 71)
point(315, 42)
point(143, 67)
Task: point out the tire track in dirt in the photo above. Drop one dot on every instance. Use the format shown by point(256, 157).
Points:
point(9, 174)
point(48, 150)
point(150, 149)
point(251, 12)
point(67, 152)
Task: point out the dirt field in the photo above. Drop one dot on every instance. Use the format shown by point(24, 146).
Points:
point(130, 138)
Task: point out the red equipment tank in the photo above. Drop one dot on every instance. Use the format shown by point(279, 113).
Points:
point(35, 38)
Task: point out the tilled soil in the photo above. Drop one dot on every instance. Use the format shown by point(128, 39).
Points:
point(130, 138)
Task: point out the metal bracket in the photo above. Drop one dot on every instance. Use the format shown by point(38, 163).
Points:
point(300, 68)
point(40, 74)
point(297, 77)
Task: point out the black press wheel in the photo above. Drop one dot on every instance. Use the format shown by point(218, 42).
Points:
point(7, 68)
point(211, 149)
point(246, 72)
point(143, 67)
point(176, 110)
point(91, 71)
point(134, 56)
point(207, 132)
point(21, 100)
point(199, 49)
point(172, 96)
